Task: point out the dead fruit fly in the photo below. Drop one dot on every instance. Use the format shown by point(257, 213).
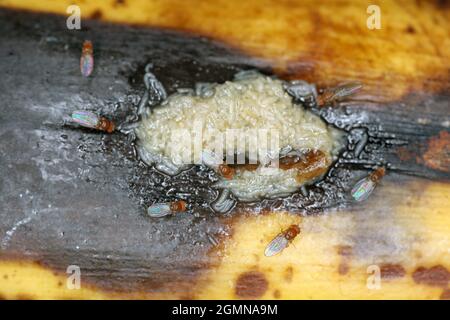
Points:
point(364, 187)
point(282, 240)
point(159, 210)
point(87, 59)
point(333, 94)
point(91, 120)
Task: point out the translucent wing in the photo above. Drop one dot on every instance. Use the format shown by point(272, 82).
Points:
point(159, 210)
point(362, 190)
point(344, 90)
point(85, 118)
point(276, 245)
point(86, 64)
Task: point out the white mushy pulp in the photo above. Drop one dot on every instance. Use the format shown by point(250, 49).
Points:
point(306, 145)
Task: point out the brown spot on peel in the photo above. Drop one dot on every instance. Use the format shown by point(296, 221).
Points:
point(437, 155)
point(343, 268)
point(345, 252)
point(288, 274)
point(251, 285)
point(392, 271)
point(445, 295)
point(277, 294)
point(97, 14)
point(119, 3)
point(410, 29)
point(436, 276)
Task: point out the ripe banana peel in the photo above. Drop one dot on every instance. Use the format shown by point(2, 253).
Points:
point(396, 245)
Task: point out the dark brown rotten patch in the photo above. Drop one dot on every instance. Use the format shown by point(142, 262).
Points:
point(251, 285)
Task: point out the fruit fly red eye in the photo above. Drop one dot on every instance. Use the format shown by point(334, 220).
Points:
point(87, 59)
point(281, 241)
point(331, 95)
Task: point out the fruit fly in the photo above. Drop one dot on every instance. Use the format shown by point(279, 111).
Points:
point(331, 95)
point(91, 120)
point(282, 240)
point(87, 59)
point(159, 210)
point(364, 187)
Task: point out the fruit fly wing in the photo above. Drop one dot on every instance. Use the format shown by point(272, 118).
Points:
point(345, 90)
point(86, 64)
point(276, 245)
point(362, 190)
point(159, 210)
point(85, 118)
